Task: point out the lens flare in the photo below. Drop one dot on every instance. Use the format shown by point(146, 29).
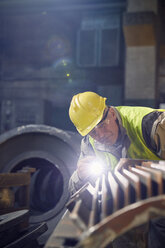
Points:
point(62, 63)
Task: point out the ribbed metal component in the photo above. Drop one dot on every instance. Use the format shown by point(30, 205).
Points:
point(118, 202)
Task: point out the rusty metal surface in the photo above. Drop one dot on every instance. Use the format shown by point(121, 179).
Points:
point(7, 198)
point(14, 179)
point(119, 202)
point(14, 190)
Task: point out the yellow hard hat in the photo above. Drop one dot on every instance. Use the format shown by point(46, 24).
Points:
point(86, 111)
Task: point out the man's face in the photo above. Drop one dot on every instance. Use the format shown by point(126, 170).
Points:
point(106, 131)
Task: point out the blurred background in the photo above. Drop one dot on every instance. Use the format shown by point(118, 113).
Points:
point(53, 49)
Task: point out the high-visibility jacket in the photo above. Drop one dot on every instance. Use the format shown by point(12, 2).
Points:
point(131, 118)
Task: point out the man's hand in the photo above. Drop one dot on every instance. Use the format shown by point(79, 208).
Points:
point(83, 167)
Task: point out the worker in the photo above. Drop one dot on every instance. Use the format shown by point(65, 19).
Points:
point(110, 133)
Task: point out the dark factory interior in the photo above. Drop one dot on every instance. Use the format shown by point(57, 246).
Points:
point(51, 50)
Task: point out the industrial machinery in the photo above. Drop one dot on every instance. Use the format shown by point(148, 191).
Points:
point(120, 203)
point(51, 155)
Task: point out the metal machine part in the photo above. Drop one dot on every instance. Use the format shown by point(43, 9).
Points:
point(16, 232)
point(11, 224)
point(120, 202)
point(14, 190)
point(53, 153)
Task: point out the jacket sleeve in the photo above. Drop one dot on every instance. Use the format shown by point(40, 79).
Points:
point(75, 183)
point(153, 129)
point(158, 135)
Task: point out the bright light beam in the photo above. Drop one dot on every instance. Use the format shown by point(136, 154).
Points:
point(95, 168)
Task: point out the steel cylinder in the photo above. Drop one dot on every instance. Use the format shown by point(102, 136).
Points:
point(54, 154)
